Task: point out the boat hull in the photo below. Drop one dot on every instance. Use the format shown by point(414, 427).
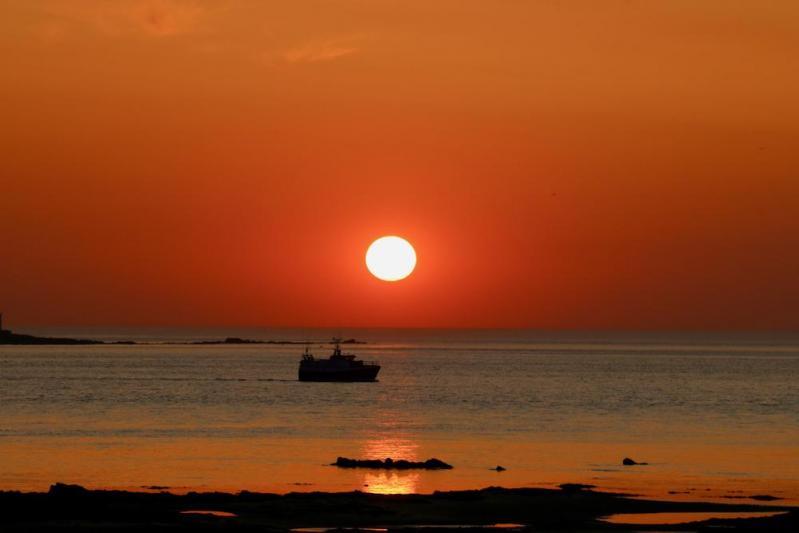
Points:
point(364, 373)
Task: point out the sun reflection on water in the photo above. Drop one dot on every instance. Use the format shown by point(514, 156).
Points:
point(382, 447)
point(390, 481)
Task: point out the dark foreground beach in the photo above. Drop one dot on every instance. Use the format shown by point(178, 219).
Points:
point(572, 508)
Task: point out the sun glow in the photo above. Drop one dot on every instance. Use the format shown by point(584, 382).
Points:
point(391, 258)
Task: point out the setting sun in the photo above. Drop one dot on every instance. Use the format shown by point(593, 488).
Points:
point(390, 258)
point(211, 218)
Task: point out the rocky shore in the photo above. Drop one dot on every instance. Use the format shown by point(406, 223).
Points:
point(71, 507)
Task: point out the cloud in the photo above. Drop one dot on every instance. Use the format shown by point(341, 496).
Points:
point(166, 17)
point(124, 17)
point(316, 51)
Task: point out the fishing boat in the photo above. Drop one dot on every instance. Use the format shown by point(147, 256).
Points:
point(338, 367)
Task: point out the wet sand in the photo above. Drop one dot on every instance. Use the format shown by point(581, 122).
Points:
point(568, 509)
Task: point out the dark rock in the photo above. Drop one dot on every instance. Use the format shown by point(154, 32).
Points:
point(435, 464)
point(68, 491)
point(499, 468)
point(351, 341)
point(389, 463)
point(574, 487)
point(764, 497)
point(629, 462)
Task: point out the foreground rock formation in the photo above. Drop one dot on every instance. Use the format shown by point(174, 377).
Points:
point(73, 508)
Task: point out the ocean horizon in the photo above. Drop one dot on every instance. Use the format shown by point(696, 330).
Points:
point(715, 415)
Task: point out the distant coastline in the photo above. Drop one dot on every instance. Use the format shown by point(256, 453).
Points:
point(7, 337)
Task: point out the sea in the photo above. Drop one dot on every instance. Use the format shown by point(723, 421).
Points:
point(714, 415)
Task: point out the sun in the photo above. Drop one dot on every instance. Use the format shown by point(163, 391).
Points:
point(391, 258)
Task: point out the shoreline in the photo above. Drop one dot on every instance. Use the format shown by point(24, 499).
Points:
point(9, 338)
point(572, 508)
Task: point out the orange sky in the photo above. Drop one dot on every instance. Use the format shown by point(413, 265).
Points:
point(615, 164)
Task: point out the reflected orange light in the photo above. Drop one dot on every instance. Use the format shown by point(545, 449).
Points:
point(682, 518)
point(391, 482)
point(381, 447)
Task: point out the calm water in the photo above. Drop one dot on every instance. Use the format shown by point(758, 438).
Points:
point(716, 417)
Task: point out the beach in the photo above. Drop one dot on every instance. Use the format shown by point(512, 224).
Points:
point(494, 509)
